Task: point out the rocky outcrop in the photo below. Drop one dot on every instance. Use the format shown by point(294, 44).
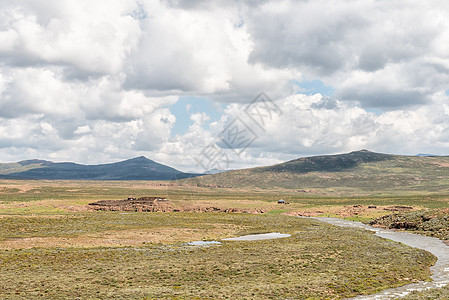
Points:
point(225, 210)
point(158, 204)
point(429, 222)
point(147, 204)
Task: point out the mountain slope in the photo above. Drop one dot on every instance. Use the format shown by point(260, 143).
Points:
point(328, 163)
point(356, 172)
point(139, 168)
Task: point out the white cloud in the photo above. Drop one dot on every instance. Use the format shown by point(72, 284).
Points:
point(91, 81)
point(35, 90)
point(199, 118)
point(200, 52)
point(83, 130)
point(307, 127)
point(397, 48)
point(86, 35)
point(8, 40)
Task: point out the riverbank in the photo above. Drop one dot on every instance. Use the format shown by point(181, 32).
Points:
point(430, 222)
point(440, 270)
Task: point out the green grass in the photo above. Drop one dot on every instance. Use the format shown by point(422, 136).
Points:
point(83, 192)
point(97, 222)
point(277, 211)
point(319, 261)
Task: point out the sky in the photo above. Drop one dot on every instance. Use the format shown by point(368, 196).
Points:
point(221, 84)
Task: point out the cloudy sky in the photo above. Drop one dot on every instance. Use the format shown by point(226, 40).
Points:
point(96, 81)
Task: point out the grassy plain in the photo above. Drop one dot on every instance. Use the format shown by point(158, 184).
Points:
point(52, 246)
point(28, 197)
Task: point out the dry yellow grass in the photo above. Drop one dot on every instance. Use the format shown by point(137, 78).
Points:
point(123, 238)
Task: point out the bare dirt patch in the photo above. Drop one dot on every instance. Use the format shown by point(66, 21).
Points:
point(441, 164)
point(21, 188)
point(351, 210)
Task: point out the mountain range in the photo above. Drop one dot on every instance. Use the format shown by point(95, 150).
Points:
point(358, 172)
point(139, 168)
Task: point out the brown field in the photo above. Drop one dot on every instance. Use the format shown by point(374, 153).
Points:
point(48, 231)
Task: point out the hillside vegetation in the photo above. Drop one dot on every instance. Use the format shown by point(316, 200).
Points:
point(360, 172)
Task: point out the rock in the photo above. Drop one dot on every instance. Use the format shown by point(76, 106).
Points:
point(143, 204)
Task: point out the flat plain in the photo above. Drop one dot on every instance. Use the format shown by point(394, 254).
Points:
point(54, 246)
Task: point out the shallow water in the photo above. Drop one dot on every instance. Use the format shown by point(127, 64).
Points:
point(435, 246)
point(251, 237)
point(203, 243)
point(257, 237)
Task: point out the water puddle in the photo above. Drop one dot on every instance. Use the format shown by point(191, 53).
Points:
point(203, 243)
point(251, 237)
point(257, 237)
point(435, 246)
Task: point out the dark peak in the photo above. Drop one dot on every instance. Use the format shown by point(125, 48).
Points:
point(139, 158)
point(136, 161)
point(329, 163)
point(366, 156)
point(359, 152)
point(362, 151)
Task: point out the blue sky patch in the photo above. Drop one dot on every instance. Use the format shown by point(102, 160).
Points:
point(311, 87)
point(188, 105)
point(376, 111)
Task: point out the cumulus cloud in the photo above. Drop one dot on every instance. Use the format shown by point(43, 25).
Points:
point(199, 51)
point(396, 48)
point(199, 118)
point(310, 125)
point(86, 36)
point(34, 91)
point(94, 82)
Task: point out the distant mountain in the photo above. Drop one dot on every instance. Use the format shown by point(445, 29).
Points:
point(358, 172)
point(139, 168)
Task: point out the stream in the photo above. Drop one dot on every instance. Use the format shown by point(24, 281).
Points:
point(435, 246)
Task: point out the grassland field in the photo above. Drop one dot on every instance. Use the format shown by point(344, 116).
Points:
point(53, 246)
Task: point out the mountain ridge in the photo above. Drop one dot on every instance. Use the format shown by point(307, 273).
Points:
point(138, 168)
point(331, 162)
point(358, 172)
